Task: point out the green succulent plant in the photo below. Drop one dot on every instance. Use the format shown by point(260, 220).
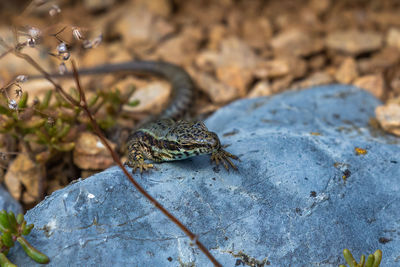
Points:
point(52, 120)
point(373, 260)
point(13, 229)
point(33, 123)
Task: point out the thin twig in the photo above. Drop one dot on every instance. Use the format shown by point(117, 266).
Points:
point(83, 104)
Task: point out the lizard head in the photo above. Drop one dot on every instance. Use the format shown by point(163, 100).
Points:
point(195, 138)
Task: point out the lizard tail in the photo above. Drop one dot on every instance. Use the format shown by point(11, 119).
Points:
point(181, 82)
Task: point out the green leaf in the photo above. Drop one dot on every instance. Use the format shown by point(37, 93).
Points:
point(349, 258)
point(34, 123)
point(4, 110)
point(23, 100)
point(378, 258)
point(362, 260)
point(74, 93)
point(64, 131)
point(32, 252)
point(7, 239)
point(42, 138)
point(13, 221)
point(370, 260)
point(93, 100)
point(46, 100)
point(4, 222)
point(23, 226)
point(5, 262)
point(26, 229)
point(20, 218)
point(64, 146)
point(134, 103)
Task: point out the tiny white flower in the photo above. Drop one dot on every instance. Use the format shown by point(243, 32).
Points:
point(34, 32)
point(62, 48)
point(12, 104)
point(21, 78)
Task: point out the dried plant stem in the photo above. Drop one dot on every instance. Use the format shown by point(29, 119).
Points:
point(83, 104)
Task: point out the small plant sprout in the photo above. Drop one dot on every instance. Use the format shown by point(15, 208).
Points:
point(373, 260)
point(13, 229)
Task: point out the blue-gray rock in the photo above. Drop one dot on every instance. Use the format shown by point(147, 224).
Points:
point(8, 203)
point(288, 205)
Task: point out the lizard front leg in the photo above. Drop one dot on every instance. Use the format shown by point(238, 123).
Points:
point(224, 157)
point(136, 159)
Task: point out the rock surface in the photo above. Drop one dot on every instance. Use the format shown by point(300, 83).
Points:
point(23, 172)
point(8, 203)
point(354, 42)
point(300, 197)
point(91, 154)
point(389, 117)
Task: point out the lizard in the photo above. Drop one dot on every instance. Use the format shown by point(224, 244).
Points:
point(166, 137)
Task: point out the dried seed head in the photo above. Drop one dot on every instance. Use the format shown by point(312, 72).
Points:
point(66, 56)
point(3, 156)
point(21, 78)
point(31, 42)
point(36, 101)
point(18, 92)
point(77, 33)
point(62, 68)
point(97, 41)
point(54, 10)
point(51, 121)
point(34, 32)
point(62, 48)
point(13, 104)
point(87, 44)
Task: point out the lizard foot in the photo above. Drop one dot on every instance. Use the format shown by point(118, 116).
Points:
point(142, 166)
point(224, 157)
